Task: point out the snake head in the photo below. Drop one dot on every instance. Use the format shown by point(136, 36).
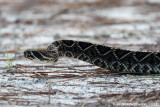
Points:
point(40, 55)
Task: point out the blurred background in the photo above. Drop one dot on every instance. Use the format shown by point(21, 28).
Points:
point(128, 24)
point(37, 23)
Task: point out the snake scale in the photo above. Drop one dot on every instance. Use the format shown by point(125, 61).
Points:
point(113, 59)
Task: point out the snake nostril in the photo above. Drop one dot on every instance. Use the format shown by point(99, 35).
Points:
point(26, 53)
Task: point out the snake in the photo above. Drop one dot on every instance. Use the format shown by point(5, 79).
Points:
point(110, 58)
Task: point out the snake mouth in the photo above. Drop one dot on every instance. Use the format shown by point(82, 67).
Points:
point(40, 55)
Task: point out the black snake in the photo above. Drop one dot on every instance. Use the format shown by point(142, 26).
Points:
point(113, 59)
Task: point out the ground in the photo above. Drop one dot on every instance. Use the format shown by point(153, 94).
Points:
point(25, 24)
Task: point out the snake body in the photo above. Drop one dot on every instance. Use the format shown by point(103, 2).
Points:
point(113, 59)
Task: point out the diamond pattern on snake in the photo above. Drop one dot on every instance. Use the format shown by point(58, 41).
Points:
point(109, 58)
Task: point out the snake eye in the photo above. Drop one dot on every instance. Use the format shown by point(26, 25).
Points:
point(37, 54)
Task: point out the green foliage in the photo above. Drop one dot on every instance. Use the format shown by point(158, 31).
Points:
point(10, 62)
